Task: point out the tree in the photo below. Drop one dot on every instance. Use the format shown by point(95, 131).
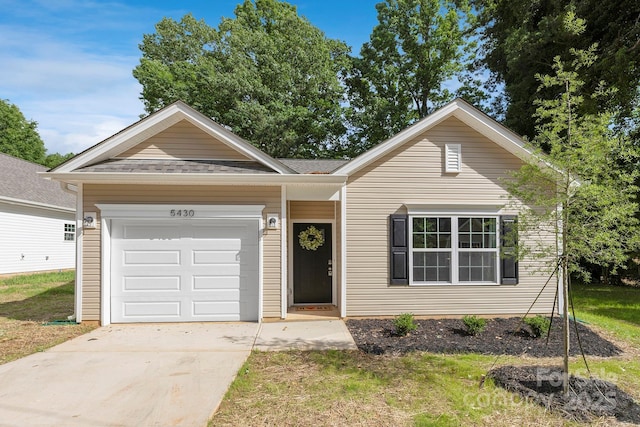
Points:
point(18, 136)
point(401, 74)
point(268, 74)
point(522, 38)
point(55, 159)
point(584, 190)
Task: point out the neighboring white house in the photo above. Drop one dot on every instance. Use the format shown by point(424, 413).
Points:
point(37, 220)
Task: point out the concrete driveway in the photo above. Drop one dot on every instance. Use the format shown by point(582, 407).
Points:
point(127, 375)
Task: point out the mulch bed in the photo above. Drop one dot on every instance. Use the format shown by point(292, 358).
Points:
point(586, 400)
point(501, 336)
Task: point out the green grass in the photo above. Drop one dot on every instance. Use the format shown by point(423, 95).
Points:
point(38, 279)
point(615, 308)
point(26, 303)
point(345, 388)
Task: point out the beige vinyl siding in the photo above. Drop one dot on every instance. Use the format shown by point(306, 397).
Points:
point(182, 141)
point(414, 174)
point(311, 210)
point(163, 194)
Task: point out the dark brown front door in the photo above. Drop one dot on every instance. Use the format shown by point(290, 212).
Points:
point(312, 263)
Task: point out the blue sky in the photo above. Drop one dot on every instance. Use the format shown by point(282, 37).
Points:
point(67, 63)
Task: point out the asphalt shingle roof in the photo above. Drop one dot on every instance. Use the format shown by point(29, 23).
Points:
point(19, 180)
point(176, 166)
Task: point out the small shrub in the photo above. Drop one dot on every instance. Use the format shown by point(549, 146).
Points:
point(474, 324)
point(539, 325)
point(404, 323)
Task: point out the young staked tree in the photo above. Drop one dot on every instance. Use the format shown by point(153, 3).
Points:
point(585, 188)
point(416, 47)
point(268, 74)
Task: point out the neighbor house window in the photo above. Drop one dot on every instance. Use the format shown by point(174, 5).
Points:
point(69, 232)
point(454, 249)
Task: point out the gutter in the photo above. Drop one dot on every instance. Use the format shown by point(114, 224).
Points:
point(192, 178)
point(26, 203)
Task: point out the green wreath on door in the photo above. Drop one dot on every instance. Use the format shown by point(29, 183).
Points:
point(311, 238)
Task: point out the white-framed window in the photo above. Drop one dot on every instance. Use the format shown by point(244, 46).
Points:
point(457, 249)
point(69, 232)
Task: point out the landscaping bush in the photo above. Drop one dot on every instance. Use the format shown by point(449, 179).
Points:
point(404, 323)
point(539, 325)
point(474, 324)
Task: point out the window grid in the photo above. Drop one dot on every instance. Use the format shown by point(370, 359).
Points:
point(454, 249)
point(69, 232)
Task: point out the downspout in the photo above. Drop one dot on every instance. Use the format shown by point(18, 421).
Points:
point(77, 306)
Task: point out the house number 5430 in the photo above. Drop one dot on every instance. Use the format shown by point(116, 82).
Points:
point(182, 213)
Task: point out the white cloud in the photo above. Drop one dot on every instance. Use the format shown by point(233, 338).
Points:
point(77, 97)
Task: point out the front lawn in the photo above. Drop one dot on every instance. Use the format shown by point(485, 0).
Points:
point(352, 388)
point(27, 304)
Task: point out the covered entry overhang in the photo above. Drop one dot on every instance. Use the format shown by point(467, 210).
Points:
point(313, 245)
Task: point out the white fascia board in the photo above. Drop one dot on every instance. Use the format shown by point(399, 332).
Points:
point(397, 140)
point(125, 139)
point(156, 123)
point(193, 178)
point(464, 112)
point(493, 130)
point(234, 141)
point(27, 203)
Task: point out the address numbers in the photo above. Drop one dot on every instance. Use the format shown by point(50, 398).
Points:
point(182, 213)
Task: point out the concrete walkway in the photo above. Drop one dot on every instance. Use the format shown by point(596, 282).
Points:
point(146, 374)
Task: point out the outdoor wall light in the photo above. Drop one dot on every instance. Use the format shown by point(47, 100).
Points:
point(89, 220)
point(273, 221)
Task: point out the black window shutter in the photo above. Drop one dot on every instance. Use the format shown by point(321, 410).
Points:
point(399, 249)
point(509, 240)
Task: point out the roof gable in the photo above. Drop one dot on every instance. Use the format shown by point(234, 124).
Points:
point(126, 140)
point(183, 141)
point(20, 183)
point(459, 109)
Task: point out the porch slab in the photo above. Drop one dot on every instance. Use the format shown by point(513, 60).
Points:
point(311, 335)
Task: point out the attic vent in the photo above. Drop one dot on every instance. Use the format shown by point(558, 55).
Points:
point(452, 157)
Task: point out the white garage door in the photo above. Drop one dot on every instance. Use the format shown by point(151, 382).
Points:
point(181, 271)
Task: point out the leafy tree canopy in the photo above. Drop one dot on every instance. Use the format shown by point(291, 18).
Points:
point(55, 159)
point(596, 189)
point(18, 136)
point(400, 76)
point(522, 38)
point(268, 74)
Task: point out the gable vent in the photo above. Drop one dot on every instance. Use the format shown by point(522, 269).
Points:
point(453, 157)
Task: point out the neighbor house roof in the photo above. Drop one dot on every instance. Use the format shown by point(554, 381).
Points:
point(313, 166)
point(21, 184)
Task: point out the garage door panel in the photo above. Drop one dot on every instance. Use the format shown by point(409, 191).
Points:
point(232, 229)
point(213, 257)
point(150, 257)
point(205, 270)
point(151, 232)
point(151, 310)
point(216, 282)
point(213, 308)
point(151, 283)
